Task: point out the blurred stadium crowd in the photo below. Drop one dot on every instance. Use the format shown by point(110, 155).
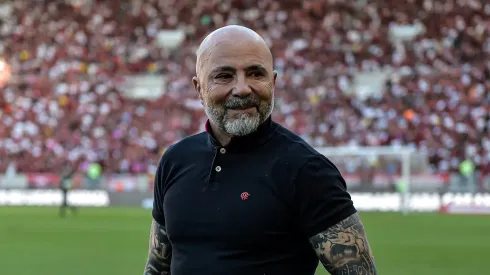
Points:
point(64, 100)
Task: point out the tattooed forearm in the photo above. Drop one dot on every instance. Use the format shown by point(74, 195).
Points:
point(344, 250)
point(160, 252)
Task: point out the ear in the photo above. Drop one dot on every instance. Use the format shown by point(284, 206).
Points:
point(197, 87)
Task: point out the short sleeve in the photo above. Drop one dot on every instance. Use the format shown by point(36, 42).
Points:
point(158, 194)
point(321, 199)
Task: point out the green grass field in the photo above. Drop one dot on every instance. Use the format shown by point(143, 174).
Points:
point(113, 241)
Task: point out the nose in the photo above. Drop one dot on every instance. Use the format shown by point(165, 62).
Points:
point(242, 87)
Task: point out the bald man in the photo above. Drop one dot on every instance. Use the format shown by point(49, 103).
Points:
point(247, 196)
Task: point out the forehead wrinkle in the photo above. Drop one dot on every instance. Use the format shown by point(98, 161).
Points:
point(228, 56)
point(236, 36)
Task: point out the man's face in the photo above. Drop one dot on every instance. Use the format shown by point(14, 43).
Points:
point(236, 87)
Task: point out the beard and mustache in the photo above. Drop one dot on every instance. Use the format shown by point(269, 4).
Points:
point(240, 124)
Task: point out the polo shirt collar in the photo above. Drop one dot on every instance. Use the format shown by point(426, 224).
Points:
point(244, 143)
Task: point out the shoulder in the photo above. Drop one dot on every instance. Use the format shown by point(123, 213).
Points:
point(184, 152)
point(294, 146)
point(307, 160)
point(186, 145)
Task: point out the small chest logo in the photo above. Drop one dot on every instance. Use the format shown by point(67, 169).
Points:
point(244, 196)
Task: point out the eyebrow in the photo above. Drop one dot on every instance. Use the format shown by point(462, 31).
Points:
point(255, 67)
point(223, 69)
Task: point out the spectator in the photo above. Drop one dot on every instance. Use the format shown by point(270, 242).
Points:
point(63, 101)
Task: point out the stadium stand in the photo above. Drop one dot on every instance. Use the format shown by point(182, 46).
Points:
point(65, 101)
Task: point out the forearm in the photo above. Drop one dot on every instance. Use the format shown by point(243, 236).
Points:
point(160, 252)
point(344, 249)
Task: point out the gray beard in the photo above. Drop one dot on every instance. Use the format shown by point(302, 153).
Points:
point(242, 124)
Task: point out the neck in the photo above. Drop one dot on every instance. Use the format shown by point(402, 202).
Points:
point(223, 137)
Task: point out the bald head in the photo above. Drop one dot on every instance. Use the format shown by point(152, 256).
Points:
point(232, 36)
point(235, 81)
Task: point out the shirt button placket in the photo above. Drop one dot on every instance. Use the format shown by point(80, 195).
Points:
point(218, 160)
point(222, 151)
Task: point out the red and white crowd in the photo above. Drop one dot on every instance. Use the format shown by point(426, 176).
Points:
point(63, 101)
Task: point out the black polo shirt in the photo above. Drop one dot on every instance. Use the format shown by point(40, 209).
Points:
point(249, 207)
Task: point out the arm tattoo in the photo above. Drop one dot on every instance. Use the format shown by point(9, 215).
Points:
point(343, 249)
point(160, 253)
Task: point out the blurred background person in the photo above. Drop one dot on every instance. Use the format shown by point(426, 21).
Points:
point(66, 184)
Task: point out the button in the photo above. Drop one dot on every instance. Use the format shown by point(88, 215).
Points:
point(222, 150)
point(218, 168)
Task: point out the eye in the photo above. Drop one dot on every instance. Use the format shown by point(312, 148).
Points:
point(223, 76)
point(256, 74)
